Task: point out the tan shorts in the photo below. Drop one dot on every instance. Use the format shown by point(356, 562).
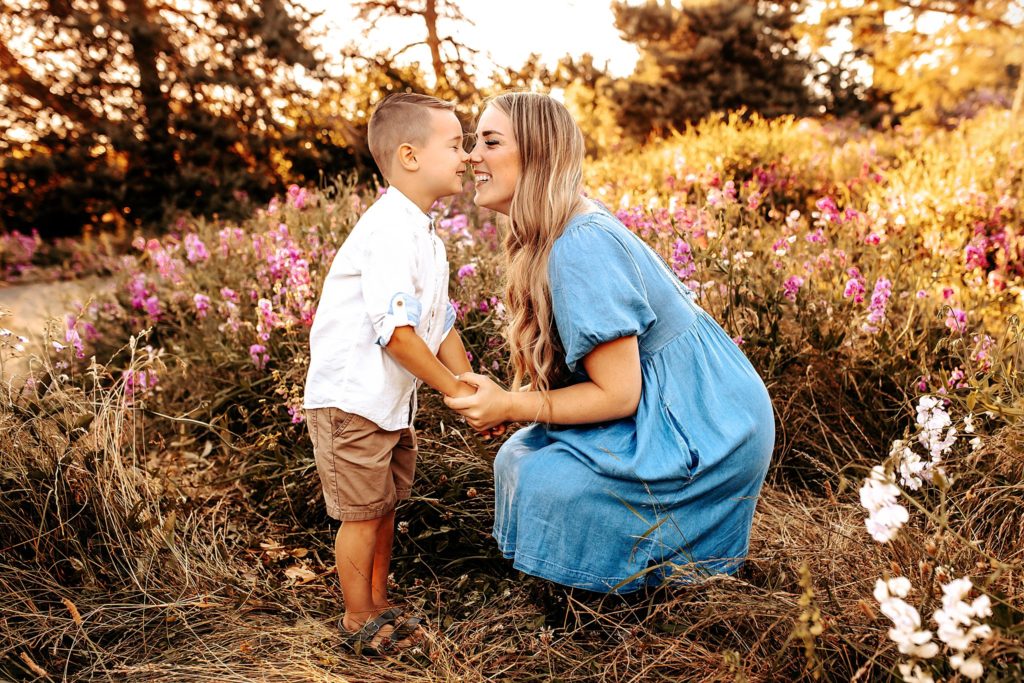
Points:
point(364, 470)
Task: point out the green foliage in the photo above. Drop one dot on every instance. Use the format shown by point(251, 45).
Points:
point(938, 59)
point(161, 110)
point(699, 58)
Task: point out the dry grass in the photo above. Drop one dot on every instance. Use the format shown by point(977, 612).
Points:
point(118, 566)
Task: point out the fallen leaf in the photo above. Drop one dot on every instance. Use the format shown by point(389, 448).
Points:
point(299, 574)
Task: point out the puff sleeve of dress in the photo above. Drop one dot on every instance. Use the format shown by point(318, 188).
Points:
point(597, 292)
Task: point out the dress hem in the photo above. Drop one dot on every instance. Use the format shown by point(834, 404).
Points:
point(575, 578)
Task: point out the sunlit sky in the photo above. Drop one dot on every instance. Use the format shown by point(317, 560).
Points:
point(506, 31)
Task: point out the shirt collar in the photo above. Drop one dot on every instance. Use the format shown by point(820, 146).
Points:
point(394, 196)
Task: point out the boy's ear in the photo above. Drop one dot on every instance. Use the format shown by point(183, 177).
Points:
point(407, 157)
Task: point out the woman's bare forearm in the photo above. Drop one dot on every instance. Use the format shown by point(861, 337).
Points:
point(582, 403)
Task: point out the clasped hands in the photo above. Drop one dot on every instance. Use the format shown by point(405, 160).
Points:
point(487, 410)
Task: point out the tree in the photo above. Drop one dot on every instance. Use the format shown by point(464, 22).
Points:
point(126, 109)
point(448, 57)
point(697, 58)
point(933, 57)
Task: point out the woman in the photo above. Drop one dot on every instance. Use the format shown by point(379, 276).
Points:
point(651, 431)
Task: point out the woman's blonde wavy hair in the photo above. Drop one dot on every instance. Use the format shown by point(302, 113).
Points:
point(546, 196)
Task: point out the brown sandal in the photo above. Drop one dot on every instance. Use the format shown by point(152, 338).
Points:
point(361, 641)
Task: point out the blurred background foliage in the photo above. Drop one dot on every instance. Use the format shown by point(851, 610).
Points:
point(125, 115)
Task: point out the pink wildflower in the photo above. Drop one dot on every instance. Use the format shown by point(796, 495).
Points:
point(879, 301)
point(682, 259)
point(297, 196)
point(258, 353)
point(791, 286)
point(956, 320)
point(152, 306)
point(828, 208)
point(854, 286)
point(195, 250)
point(981, 353)
point(974, 256)
point(71, 336)
point(816, 237)
point(138, 382)
point(202, 303)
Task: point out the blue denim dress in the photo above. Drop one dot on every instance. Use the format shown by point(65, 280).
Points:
point(665, 495)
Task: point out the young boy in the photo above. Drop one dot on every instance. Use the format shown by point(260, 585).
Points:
point(384, 323)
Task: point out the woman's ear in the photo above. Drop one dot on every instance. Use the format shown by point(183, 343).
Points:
point(407, 157)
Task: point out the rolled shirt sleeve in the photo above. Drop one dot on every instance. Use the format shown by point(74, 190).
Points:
point(449, 318)
point(389, 286)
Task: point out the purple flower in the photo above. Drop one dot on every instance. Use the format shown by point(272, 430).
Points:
point(258, 353)
point(202, 303)
point(297, 196)
point(72, 337)
point(828, 208)
point(468, 270)
point(816, 237)
point(195, 250)
point(152, 306)
point(682, 259)
point(975, 257)
point(791, 286)
point(956, 320)
point(879, 301)
point(854, 286)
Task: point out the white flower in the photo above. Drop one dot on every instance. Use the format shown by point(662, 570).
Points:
point(975, 443)
point(958, 625)
point(906, 631)
point(971, 667)
point(969, 424)
point(4, 332)
point(913, 469)
point(879, 496)
point(913, 674)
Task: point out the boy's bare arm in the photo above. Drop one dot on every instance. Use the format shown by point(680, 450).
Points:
point(413, 354)
point(452, 354)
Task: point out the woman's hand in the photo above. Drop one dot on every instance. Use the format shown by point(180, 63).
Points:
point(487, 408)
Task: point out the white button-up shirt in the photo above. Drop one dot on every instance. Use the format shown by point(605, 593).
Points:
point(391, 271)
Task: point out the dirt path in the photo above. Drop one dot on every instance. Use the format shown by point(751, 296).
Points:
point(25, 310)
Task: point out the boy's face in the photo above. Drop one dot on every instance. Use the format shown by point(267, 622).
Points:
point(442, 158)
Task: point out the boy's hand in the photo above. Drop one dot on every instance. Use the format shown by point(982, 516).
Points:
point(493, 432)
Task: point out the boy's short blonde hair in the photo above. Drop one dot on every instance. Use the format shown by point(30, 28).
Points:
point(400, 118)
